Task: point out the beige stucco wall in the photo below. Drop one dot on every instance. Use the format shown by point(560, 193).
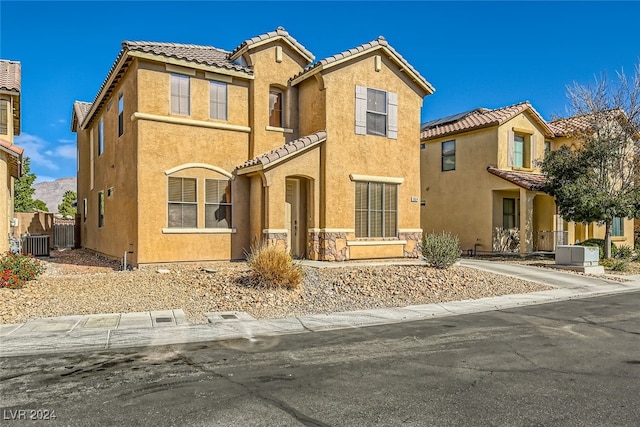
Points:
point(521, 124)
point(313, 106)
point(6, 202)
point(346, 153)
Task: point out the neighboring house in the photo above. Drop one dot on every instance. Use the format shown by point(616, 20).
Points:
point(480, 180)
point(193, 153)
point(10, 154)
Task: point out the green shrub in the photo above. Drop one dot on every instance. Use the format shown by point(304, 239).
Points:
point(273, 267)
point(441, 250)
point(600, 244)
point(623, 252)
point(615, 264)
point(17, 269)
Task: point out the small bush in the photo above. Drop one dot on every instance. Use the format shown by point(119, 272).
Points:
point(615, 264)
point(441, 250)
point(273, 267)
point(17, 269)
point(600, 244)
point(623, 252)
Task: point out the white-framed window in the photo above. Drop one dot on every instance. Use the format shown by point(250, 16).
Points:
point(217, 203)
point(376, 209)
point(182, 203)
point(120, 114)
point(617, 226)
point(521, 150)
point(100, 209)
point(4, 116)
point(218, 100)
point(449, 155)
point(100, 136)
point(376, 112)
point(180, 94)
point(276, 108)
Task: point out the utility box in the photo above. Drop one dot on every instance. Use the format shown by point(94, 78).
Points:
point(581, 256)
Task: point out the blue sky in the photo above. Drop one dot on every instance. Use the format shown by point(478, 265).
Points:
point(475, 53)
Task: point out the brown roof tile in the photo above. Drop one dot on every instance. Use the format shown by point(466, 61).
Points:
point(280, 32)
point(207, 55)
point(286, 150)
point(374, 44)
point(526, 180)
point(476, 119)
point(14, 159)
point(80, 111)
point(10, 76)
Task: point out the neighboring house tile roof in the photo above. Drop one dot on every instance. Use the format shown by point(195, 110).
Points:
point(207, 55)
point(80, 111)
point(279, 33)
point(575, 124)
point(10, 76)
point(526, 180)
point(286, 150)
point(477, 119)
point(378, 43)
point(14, 158)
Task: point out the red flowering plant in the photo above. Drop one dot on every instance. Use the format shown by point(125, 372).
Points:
point(17, 269)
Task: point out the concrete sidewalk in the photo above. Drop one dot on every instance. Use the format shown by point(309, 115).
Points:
point(112, 331)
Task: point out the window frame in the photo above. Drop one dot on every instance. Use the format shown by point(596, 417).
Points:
point(519, 141)
point(5, 107)
point(101, 136)
point(384, 114)
point(228, 204)
point(280, 94)
point(176, 107)
point(120, 114)
point(447, 156)
point(381, 209)
point(225, 104)
point(617, 226)
point(100, 209)
point(181, 202)
point(514, 216)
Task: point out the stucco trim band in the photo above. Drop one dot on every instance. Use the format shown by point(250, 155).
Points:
point(332, 230)
point(198, 231)
point(275, 230)
point(410, 230)
point(372, 178)
point(199, 165)
point(277, 129)
point(190, 122)
point(375, 242)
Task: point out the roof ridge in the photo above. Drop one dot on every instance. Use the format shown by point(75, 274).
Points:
point(131, 43)
point(278, 32)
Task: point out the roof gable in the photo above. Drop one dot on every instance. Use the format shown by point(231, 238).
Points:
point(279, 34)
point(478, 119)
point(11, 81)
point(348, 55)
point(79, 113)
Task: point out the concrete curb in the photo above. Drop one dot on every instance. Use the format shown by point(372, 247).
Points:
point(117, 331)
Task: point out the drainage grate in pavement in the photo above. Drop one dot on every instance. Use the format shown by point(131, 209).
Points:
point(228, 316)
point(164, 320)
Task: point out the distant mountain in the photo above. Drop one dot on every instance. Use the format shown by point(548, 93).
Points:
point(51, 192)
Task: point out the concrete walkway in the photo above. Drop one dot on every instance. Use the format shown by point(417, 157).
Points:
point(111, 331)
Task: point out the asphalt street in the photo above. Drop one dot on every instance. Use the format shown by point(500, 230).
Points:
point(573, 363)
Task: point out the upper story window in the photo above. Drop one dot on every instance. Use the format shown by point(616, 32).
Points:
point(376, 112)
point(617, 226)
point(218, 100)
point(449, 155)
point(4, 117)
point(521, 150)
point(276, 108)
point(180, 94)
point(547, 146)
point(100, 136)
point(120, 114)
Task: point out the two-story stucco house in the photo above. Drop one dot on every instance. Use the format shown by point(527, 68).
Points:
point(10, 154)
point(193, 153)
point(480, 180)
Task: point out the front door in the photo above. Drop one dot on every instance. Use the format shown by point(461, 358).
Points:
point(295, 217)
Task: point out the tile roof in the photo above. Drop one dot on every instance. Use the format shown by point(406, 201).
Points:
point(527, 180)
point(286, 150)
point(15, 158)
point(570, 125)
point(279, 32)
point(378, 43)
point(476, 119)
point(207, 55)
point(10, 75)
point(80, 111)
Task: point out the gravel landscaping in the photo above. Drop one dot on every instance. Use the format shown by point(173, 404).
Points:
point(78, 282)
